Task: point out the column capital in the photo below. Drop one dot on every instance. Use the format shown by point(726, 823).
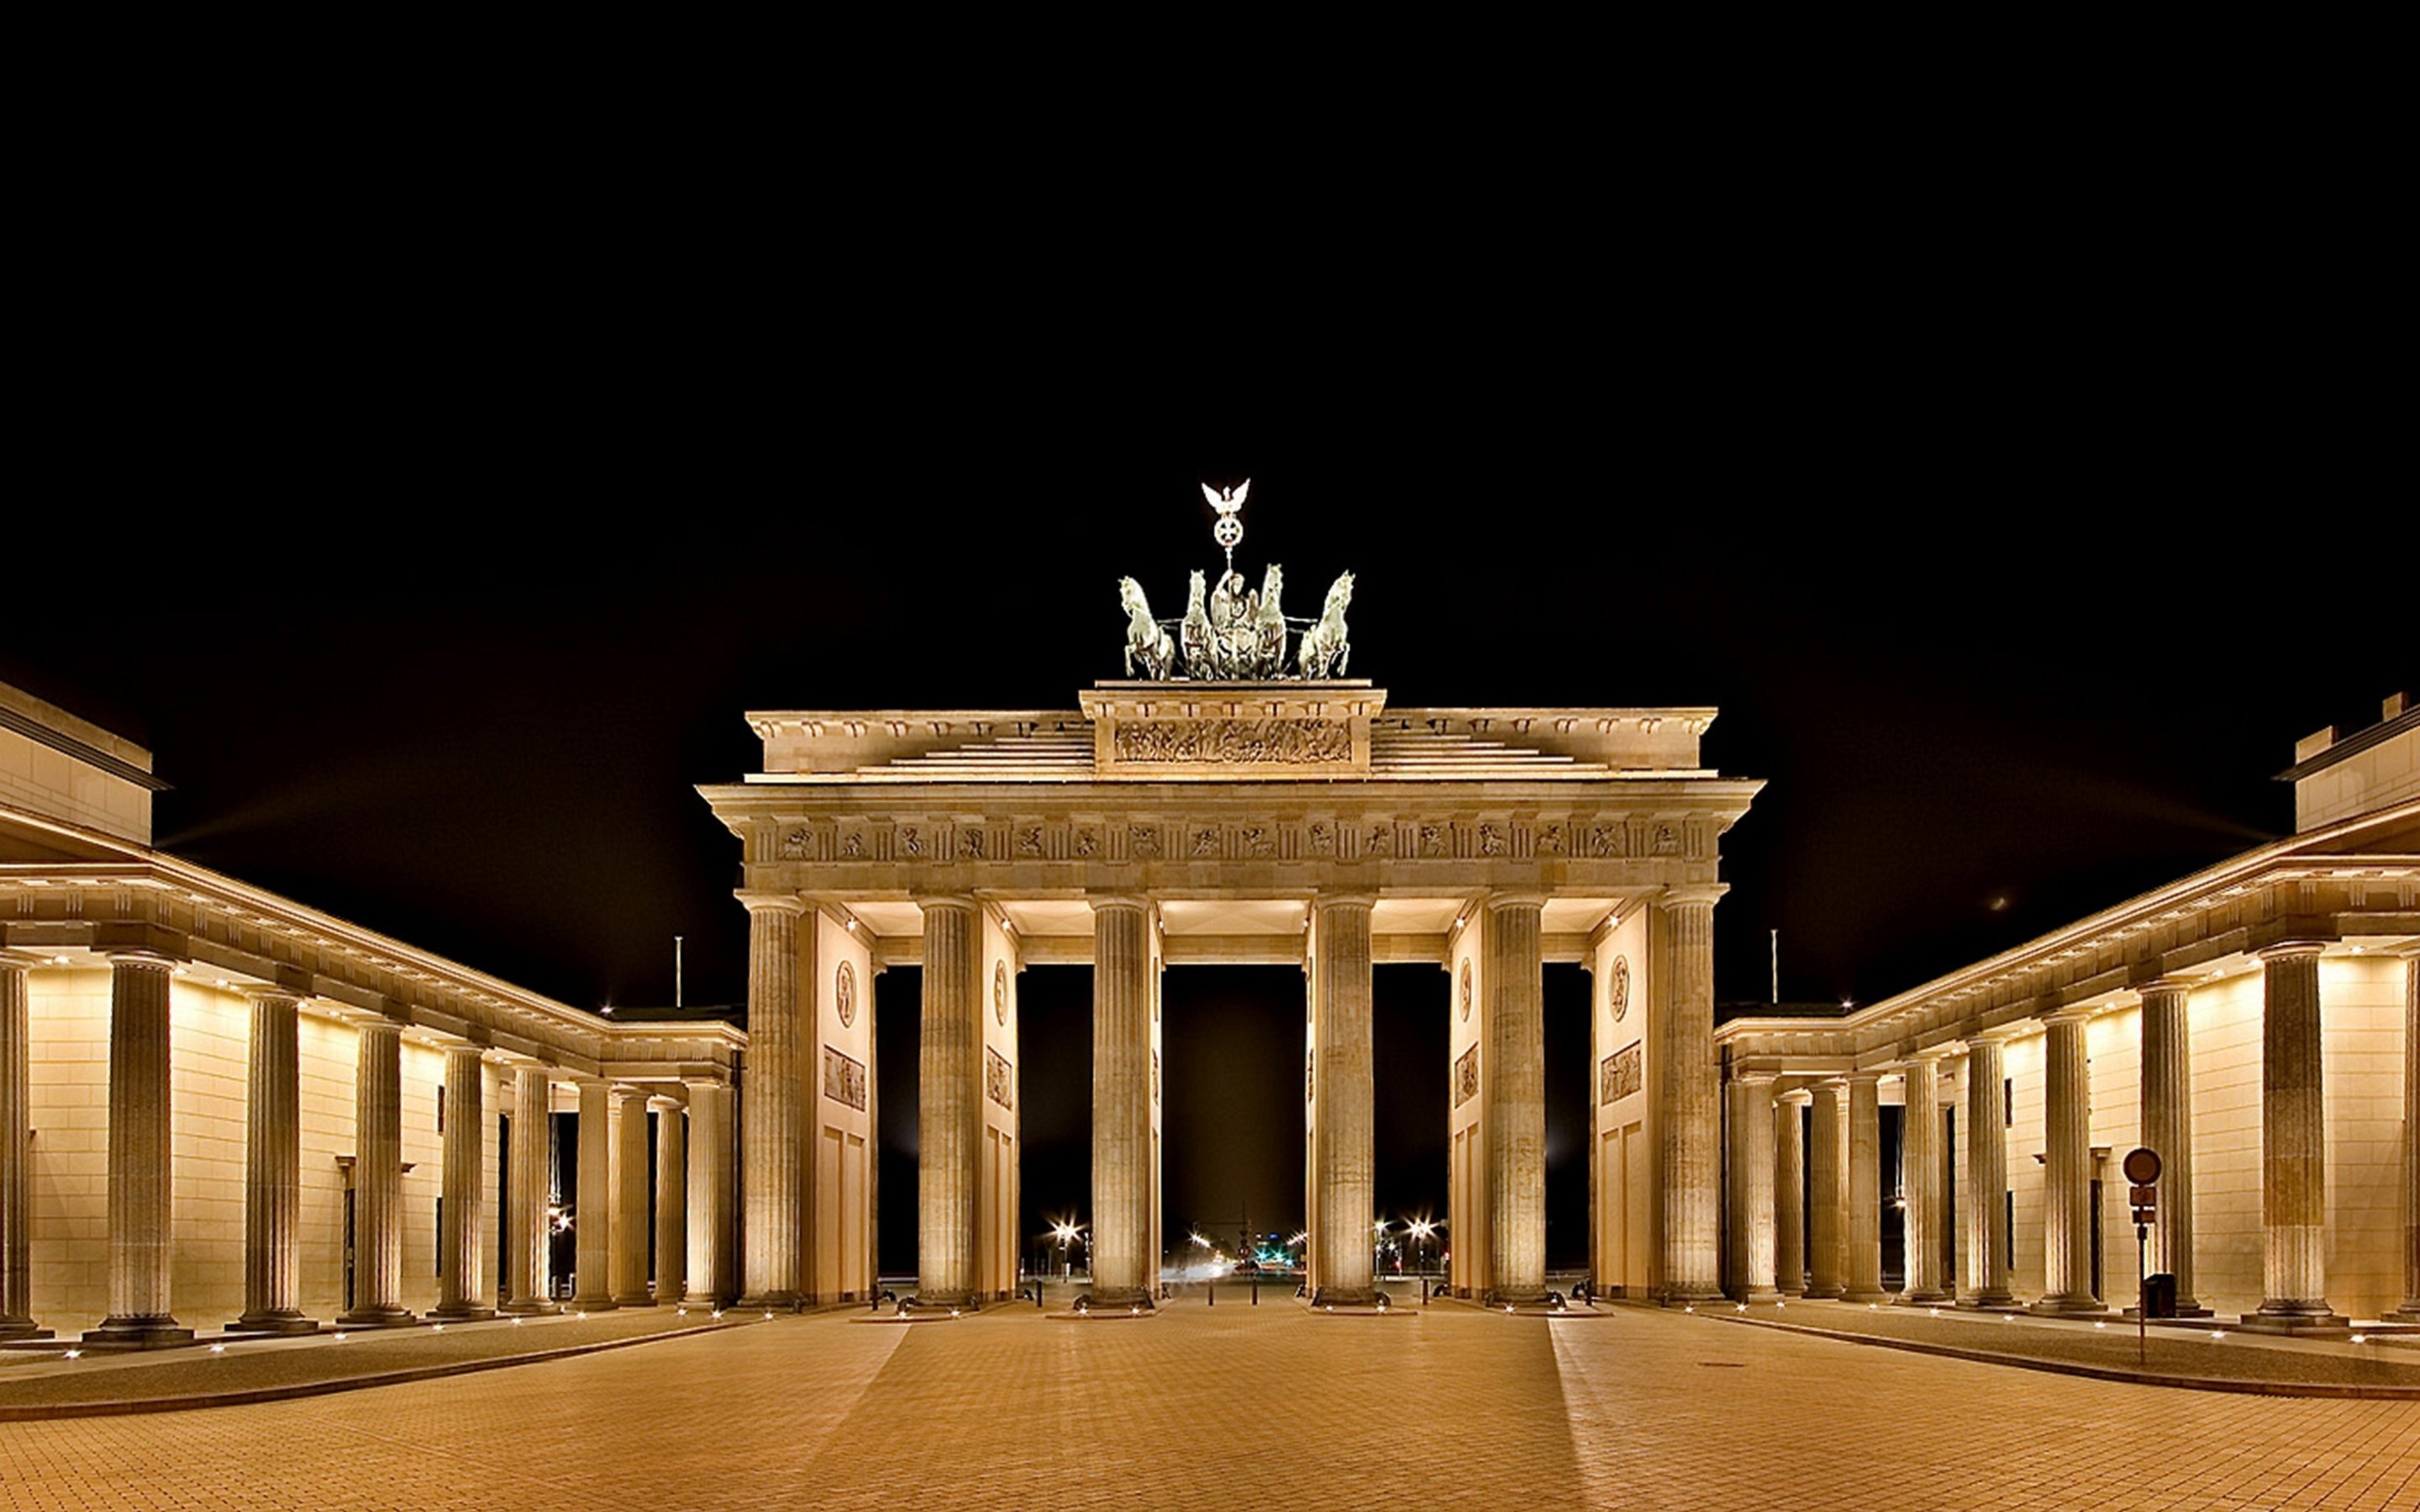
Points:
point(664, 1103)
point(1707, 893)
point(148, 959)
point(2165, 986)
point(1755, 1078)
point(927, 901)
point(2285, 950)
point(1349, 899)
point(757, 900)
point(1997, 1034)
point(1101, 901)
point(2073, 1014)
point(265, 993)
point(1872, 1077)
point(699, 1083)
point(1796, 1097)
point(1499, 900)
point(20, 961)
point(1945, 1050)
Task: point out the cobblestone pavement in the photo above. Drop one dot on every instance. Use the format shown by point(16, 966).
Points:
point(1240, 1406)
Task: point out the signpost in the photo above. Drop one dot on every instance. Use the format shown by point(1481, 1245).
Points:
point(2142, 1169)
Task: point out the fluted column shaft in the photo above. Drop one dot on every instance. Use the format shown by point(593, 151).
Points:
point(1827, 1165)
point(461, 1286)
point(1346, 1105)
point(671, 1200)
point(526, 1246)
point(1751, 1187)
point(949, 1112)
point(1516, 1110)
point(1865, 1221)
point(2067, 1168)
point(1790, 1193)
point(772, 1110)
point(2167, 1130)
point(272, 1169)
point(1121, 1238)
point(2293, 1141)
point(1920, 1154)
point(1691, 1151)
point(632, 1238)
point(16, 1118)
point(378, 1176)
point(707, 1278)
point(140, 1237)
point(2410, 1309)
point(592, 1265)
point(1987, 1174)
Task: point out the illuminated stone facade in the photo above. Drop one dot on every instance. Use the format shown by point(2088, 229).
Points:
point(199, 1081)
point(1167, 824)
point(2256, 1025)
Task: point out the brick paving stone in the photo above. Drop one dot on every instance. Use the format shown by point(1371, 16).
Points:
point(1240, 1406)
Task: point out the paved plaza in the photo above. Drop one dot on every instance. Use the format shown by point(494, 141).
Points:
point(1239, 1406)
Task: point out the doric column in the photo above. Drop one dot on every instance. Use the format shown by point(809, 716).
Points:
point(1790, 1191)
point(461, 1285)
point(140, 1237)
point(1827, 1166)
point(771, 1107)
point(1920, 1154)
point(592, 1233)
point(632, 1238)
point(1121, 1238)
point(1864, 1227)
point(526, 1240)
point(1516, 1089)
point(2293, 1146)
point(1987, 1172)
point(1346, 1105)
point(2411, 1309)
point(2167, 1130)
point(272, 1170)
point(948, 1111)
point(671, 1199)
point(2067, 1167)
point(16, 1121)
point(706, 1280)
point(1751, 1187)
point(1690, 1155)
point(378, 1178)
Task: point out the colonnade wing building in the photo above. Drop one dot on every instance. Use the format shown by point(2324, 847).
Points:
point(1166, 824)
point(205, 1088)
point(2256, 1026)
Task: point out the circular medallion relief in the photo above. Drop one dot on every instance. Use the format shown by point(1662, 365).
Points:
point(1000, 991)
point(1621, 987)
point(1465, 989)
point(845, 994)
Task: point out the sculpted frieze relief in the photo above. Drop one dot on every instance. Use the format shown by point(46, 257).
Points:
point(1235, 742)
point(1026, 840)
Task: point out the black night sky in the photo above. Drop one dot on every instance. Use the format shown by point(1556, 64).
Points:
point(434, 623)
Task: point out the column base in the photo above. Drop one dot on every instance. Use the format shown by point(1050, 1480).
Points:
point(275, 1320)
point(2408, 1313)
point(770, 1301)
point(1866, 1297)
point(376, 1317)
point(644, 1299)
point(530, 1307)
point(21, 1328)
point(1102, 1298)
point(1990, 1302)
point(701, 1299)
point(1928, 1298)
point(2070, 1306)
point(1824, 1293)
point(1761, 1295)
point(1793, 1293)
point(137, 1333)
point(1345, 1297)
point(460, 1312)
point(2295, 1317)
point(592, 1305)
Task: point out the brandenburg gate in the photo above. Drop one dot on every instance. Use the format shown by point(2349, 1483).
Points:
point(1239, 801)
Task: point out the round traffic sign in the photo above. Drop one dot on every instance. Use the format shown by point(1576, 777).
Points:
point(2141, 1167)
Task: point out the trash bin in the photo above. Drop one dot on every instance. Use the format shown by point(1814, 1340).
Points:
point(2160, 1295)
